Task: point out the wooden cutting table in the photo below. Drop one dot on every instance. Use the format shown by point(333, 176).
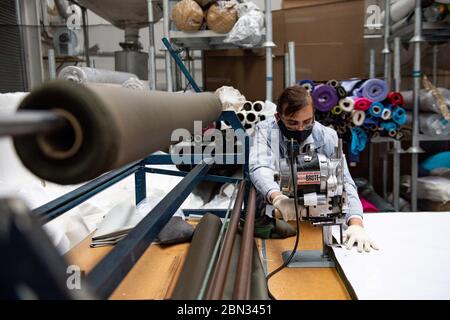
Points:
point(156, 272)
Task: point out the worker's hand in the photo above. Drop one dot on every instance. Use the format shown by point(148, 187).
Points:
point(285, 206)
point(357, 234)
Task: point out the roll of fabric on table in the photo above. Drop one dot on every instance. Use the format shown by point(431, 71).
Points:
point(106, 128)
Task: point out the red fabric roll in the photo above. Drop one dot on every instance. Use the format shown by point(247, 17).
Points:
point(362, 104)
point(396, 98)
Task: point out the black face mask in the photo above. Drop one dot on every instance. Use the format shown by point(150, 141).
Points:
point(299, 136)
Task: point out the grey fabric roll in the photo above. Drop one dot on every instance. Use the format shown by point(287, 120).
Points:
point(428, 102)
point(197, 260)
point(109, 127)
point(176, 231)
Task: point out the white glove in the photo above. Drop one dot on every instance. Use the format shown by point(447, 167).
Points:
point(286, 206)
point(357, 234)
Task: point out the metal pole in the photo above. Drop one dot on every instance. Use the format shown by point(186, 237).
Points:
point(151, 48)
point(435, 58)
point(372, 73)
point(166, 25)
point(396, 175)
point(292, 68)
point(286, 69)
point(417, 73)
point(51, 64)
point(386, 51)
point(397, 66)
point(385, 163)
point(30, 122)
point(86, 36)
point(269, 45)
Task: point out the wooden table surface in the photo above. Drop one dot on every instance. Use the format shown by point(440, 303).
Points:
point(156, 272)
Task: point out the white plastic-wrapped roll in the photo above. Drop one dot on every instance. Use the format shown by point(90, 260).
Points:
point(91, 75)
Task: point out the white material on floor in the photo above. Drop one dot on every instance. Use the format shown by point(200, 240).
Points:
point(413, 261)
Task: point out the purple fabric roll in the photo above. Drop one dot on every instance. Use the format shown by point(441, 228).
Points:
point(325, 97)
point(375, 90)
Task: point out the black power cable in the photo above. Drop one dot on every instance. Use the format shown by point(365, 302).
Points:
point(297, 238)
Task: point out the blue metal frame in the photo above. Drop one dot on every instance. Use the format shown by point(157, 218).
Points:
point(180, 64)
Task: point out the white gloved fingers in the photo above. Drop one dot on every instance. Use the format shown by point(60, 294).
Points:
point(351, 242)
point(361, 243)
point(344, 237)
point(367, 246)
point(374, 245)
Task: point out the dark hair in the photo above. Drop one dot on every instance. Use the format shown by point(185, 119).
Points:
point(292, 99)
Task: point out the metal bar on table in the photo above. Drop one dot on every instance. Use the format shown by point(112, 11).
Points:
point(30, 122)
point(208, 177)
point(140, 186)
point(151, 47)
point(244, 269)
point(70, 200)
point(107, 275)
point(217, 283)
point(201, 212)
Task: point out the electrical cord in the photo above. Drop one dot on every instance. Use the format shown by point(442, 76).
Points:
point(297, 238)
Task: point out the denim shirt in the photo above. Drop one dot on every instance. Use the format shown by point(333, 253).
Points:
point(266, 150)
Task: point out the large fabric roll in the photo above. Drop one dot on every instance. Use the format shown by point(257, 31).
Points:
point(347, 104)
point(362, 104)
point(108, 127)
point(399, 116)
point(376, 109)
point(341, 92)
point(375, 90)
point(325, 97)
point(428, 102)
point(91, 75)
point(200, 252)
point(368, 192)
point(396, 98)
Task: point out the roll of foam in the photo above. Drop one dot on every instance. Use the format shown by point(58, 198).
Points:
point(337, 110)
point(347, 104)
point(247, 106)
point(375, 90)
point(91, 75)
point(399, 116)
point(251, 117)
point(308, 84)
point(107, 127)
point(362, 103)
point(333, 83)
point(376, 109)
point(395, 98)
point(325, 98)
point(358, 117)
point(258, 106)
point(386, 113)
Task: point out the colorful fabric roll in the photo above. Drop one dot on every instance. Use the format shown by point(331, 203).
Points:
point(358, 117)
point(395, 98)
point(333, 83)
point(399, 116)
point(386, 113)
point(375, 109)
point(308, 84)
point(359, 141)
point(362, 103)
point(375, 90)
point(337, 110)
point(325, 98)
point(388, 125)
point(341, 92)
point(347, 104)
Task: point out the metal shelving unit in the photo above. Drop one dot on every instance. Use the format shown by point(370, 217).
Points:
point(210, 40)
point(415, 33)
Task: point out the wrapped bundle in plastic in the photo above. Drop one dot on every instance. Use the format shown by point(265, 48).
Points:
point(428, 100)
point(222, 16)
point(247, 31)
point(92, 75)
point(187, 15)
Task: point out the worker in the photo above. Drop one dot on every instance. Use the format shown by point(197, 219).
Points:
point(295, 119)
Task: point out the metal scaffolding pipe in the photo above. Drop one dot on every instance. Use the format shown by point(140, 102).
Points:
point(217, 284)
point(372, 73)
point(244, 270)
point(292, 67)
point(397, 65)
point(151, 47)
point(386, 51)
point(108, 127)
point(269, 45)
point(166, 30)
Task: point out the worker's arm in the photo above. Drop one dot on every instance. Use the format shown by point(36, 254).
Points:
point(262, 165)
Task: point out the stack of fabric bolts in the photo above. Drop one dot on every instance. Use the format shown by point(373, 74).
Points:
point(358, 110)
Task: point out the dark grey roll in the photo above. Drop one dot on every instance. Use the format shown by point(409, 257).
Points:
point(196, 264)
point(109, 127)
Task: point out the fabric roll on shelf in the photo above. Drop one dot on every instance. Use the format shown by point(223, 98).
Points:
point(198, 257)
point(308, 84)
point(91, 75)
point(325, 97)
point(431, 124)
point(399, 116)
point(347, 104)
point(376, 109)
point(429, 102)
point(105, 127)
point(386, 113)
point(334, 83)
point(358, 117)
point(368, 192)
point(390, 127)
point(362, 103)
point(396, 98)
point(375, 90)
point(247, 106)
point(251, 117)
point(341, 92)
point(337, 110)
